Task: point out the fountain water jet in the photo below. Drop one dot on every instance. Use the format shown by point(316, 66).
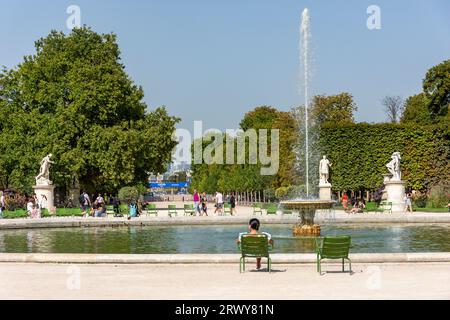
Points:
point(306, 208)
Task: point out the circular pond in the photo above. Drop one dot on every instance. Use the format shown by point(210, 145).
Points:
point(376, 238)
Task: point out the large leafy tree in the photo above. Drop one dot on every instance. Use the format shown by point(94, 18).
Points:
point(338, 108)
point(416, 110)
point(436, 86)
point(74, 99)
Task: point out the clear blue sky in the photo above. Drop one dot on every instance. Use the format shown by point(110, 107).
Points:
point(215, 60)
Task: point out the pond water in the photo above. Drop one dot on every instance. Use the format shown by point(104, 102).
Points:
point(385, 238)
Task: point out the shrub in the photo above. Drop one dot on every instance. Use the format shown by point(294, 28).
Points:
point(439, 196)
point(129, 194)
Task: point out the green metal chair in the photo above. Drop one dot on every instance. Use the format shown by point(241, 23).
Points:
point(254, 246)
point(109, 209)
point(124, 209)
point(333, 248)
point(227, 208)
point(172, 210)
point(384, 206)
point(189, 210)
point(151, 209)
point(257, 208)
point(271, 209)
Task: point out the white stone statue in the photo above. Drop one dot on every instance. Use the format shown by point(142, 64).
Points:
point(324, 170)
point(43, 178)
point(394, 167)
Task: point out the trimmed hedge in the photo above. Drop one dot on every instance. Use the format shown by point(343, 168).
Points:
point(359, 154)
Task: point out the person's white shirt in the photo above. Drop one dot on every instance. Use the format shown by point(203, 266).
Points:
point(29, 206)
point(43, 203)
point(269, 236)
point(219, 198)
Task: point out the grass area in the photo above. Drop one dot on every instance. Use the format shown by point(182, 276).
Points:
point(371, 205)
point(60, 212)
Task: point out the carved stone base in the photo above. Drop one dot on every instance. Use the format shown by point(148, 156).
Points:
point(395, 191)
point(325, 191)
point(48, 192)
point(307, 230)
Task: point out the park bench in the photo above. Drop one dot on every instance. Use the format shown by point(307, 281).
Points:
point(254, 246)
point(172, 210)
point(333, 248)
point(257, 208)
point(151, 209)
point(189, 210)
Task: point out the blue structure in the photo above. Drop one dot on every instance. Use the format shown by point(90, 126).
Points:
point(167, 185)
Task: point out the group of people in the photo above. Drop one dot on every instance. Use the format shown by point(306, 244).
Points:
point(36, 205)
point(201, 203)
point(97, 208)
point(358, 205)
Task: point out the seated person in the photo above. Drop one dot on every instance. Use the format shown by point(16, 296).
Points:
point(35, 212)
point(358, 207)
point(100, 212)
point(253, 228)
point(92, 210)
point(133, 211)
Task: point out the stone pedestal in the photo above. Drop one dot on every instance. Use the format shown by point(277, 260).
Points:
point(395, 191)
point(325, 191)
point(48, 191)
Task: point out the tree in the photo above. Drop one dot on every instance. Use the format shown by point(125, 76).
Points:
point(436, 86)
point(416, 110)
point(74, 99)
point(338, 108)
point(393, 107)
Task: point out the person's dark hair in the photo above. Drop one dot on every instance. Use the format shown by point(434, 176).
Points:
point(254, 224)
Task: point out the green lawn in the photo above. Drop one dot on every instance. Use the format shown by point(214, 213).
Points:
point(370, 205)
point(60, 212)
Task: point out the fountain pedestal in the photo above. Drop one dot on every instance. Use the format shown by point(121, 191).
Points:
point(395, 191)
point(307, 211)
point(325, 191)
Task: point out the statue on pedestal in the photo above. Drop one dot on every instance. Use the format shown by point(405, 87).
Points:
point(324, 170)
point(43, 178)
point(394, 167)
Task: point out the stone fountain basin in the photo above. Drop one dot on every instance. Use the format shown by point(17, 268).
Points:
point(307, 204)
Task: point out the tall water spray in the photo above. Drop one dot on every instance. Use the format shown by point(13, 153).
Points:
point(305, 37)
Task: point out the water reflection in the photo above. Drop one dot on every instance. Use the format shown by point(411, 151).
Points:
point(219, 239)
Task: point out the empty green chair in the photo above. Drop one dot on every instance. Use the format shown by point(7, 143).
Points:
point(254, 246)
point(333, 248)
point(384, 206)
point(257, 208)
point(272, 209)
point(109, 209)
point(172, 210)
point(124, 209)
point(227, 208)
point(151, 209)
point(189, 210)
